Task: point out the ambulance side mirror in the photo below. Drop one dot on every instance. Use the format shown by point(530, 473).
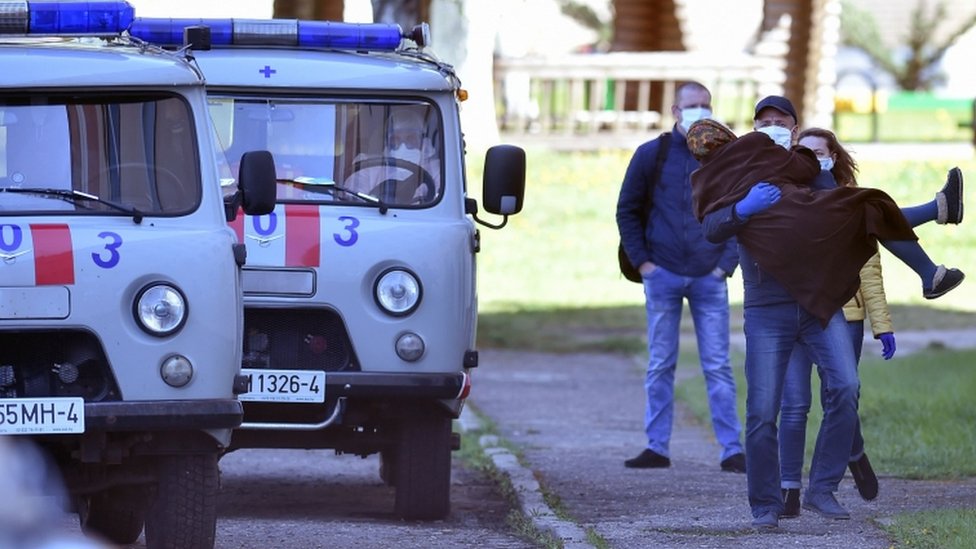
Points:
point(256, 183)
point(504, 180)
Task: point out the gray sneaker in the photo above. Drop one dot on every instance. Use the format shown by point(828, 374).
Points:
point(766, 521)
point(949, 199)
point(825, 505)
point(943, 281)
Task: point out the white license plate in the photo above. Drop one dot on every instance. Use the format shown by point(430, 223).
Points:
point(284, 385)
point(38, 416)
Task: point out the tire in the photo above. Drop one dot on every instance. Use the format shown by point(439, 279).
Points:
point(423, 467)
point(183, 514)
point(388, 467)
point(116, 515)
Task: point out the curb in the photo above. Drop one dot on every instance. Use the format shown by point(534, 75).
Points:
point(531, 502)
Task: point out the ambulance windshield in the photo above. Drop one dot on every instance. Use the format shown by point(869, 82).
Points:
point(351, 152)
point(132, 152)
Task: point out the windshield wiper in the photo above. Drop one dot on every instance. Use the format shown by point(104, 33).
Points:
point(73, 196)
point(325, 182)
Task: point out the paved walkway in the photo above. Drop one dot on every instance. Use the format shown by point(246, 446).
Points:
point(576, 418)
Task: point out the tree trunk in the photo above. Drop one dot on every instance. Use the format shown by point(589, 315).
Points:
point(405, 13)
point(646, 25)
point(800, 13)
point(463, 34)
point(321, 10)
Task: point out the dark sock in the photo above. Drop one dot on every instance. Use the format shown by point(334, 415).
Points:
point(910, 252)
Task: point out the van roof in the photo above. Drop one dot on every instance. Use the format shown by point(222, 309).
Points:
point(296, 68)
point(72, 62)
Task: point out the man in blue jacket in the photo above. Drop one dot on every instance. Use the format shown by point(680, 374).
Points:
point(774, 324)
point(676, 262)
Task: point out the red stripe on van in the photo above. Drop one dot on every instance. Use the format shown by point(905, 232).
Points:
point(303, 236)
point(238, 225)
point(54, 261)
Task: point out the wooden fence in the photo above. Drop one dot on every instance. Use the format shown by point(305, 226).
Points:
point(592, 101)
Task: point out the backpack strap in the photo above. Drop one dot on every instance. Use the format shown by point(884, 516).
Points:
point(664, 143)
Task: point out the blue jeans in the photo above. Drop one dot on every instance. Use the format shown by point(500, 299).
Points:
point(771, 333)
point(708, 299)
point(797, 400)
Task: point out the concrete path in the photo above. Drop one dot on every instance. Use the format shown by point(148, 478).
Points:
point(576, 418)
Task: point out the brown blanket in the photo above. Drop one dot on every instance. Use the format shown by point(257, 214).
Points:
point(813, 242)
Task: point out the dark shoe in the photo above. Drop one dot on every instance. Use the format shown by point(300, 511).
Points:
point(949, 199)
point(825, 505)
point(736, 463)
point(766, 521)
point(943, 281)
point(864, 477)
point(791, 503)
point(648, 459)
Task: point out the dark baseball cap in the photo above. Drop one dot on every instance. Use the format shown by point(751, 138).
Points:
point(777, 102)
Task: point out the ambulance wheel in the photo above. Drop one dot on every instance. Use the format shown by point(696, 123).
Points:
point(423, 467)
point(183, 513)
point(116, 515)
point(388, 466)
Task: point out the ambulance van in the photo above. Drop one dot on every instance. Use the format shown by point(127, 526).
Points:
point(360, 288)
point(121, 311)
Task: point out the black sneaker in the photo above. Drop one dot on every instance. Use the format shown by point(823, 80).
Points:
point(791, 503)
point(864, 477)
point(943, 281)
point(648, 459)
point(949, 199)
point(736, 463)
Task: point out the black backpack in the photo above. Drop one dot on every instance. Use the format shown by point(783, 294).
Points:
point(629, 271)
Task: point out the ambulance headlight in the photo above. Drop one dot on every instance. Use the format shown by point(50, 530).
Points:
point(160, 310)
point(397, 292)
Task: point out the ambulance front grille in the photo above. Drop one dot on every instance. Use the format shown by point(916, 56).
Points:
point(297, 339)
point(54, 363)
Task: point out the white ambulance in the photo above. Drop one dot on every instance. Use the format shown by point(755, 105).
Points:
point(360, 297)
point(120, 297)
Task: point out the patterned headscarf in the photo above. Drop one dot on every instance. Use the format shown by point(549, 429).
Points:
point(705, 136)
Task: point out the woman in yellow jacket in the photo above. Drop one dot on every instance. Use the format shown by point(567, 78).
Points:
point(869, 302)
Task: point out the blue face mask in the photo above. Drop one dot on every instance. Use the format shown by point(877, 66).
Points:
point(826, 164)
point(690, 116)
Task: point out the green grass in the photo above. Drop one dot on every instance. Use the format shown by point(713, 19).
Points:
point(906, 126)
point(943, 529)
point(916, 411)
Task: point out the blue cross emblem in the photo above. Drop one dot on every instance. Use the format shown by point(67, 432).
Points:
point(267, 71)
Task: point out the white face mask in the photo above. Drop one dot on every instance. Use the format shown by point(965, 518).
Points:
point(690, 116)
point(404, 152)
point(780, 135)
point(826, 164)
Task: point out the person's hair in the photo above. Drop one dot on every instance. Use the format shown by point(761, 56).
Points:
point(845, 167)
point(689, 85)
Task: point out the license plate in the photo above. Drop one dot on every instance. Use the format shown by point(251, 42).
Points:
point(284, 385)
point(38, 416)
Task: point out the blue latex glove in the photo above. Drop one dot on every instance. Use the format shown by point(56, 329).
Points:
point(887, 345)
point(760, 197)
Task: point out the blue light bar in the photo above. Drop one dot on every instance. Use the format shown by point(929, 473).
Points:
point(273, 32)
point(71, 18)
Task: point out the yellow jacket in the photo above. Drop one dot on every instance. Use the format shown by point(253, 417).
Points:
point(870, 299)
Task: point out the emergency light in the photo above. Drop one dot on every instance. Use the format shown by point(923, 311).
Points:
point(279, 32)
point(65, 18)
